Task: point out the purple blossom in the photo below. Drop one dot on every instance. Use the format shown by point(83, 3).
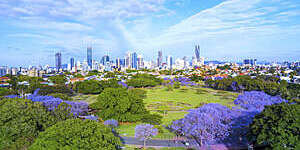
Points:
point(206, 124)
point(256, 100)
point(112, 123)
point(145, 131)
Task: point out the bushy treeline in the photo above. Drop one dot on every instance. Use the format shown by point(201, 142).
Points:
point(143, 80)
point(272, 86)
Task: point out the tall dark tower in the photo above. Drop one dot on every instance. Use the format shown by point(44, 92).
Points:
point(197, 52)
point(89, 57)
point(72, 62)
point(159, 59)
point(58, 61)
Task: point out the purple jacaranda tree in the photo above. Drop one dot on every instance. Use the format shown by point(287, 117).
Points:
point(206, 124)
point(52, 103)
point(145, 132)
point(256, 100)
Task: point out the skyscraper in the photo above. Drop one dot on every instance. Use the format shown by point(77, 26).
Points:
point(134, 61)
point(159, 59)
point(58, 61)
point(128, 60)
point(104, 59)
point(170, 62)
point(140, 62)
point(197, 52)
point(72, 62)
point(89, 57)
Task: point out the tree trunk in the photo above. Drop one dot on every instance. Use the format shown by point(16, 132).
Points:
point(144, 144)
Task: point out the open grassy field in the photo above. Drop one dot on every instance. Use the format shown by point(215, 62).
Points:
point(172, 105)
point(87, 98)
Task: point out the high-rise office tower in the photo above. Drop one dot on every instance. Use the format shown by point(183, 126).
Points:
point(251, 62)
point(3, 70)
point(134, 60)
point(185, 63)
point(90, 57)
point(118, 63)
point(58, 61)
point(197, 52)
point(170, 62)
point(159, 59)
point(72, 63)
point(128, 60)
point(140, 60)
point(104, 59)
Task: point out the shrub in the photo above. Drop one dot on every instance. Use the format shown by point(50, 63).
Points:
point(77, 134)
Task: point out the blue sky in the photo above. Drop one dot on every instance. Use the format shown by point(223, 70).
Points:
point(31, 31)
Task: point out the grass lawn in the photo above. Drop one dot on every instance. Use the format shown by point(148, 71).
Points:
point(172, 105)
point(87, 98)
point(175, 103)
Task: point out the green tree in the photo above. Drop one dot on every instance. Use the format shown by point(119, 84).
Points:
point(77, 134)
point(89, 87)
point(277, 126)
point(120, 104)
point(21, 121)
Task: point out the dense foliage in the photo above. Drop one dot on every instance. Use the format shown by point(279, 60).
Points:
point(77, 134)
point(89, 87)
point(270, 85)
point(45, 90)
point(277, 126)
point(111, 83)
point(21, 121)
point(120, 104)
point(143, 80)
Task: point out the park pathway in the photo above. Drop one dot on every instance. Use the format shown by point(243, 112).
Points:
point(154, 142)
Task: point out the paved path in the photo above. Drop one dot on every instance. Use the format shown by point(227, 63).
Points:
point(159, 143)
point(168, 143)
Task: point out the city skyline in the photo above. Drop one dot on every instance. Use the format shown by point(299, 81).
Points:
point(232, 30)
